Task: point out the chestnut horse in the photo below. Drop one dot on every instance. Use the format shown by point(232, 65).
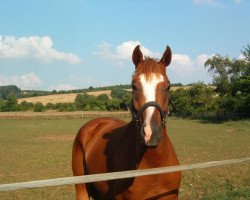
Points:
point(109, 145)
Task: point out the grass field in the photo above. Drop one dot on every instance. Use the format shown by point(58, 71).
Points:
point(32, 149)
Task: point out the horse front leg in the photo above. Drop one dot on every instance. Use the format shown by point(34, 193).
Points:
point(81, 192)
point(78, 170)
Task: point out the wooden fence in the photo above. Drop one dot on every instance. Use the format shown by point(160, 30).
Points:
point(117, 175)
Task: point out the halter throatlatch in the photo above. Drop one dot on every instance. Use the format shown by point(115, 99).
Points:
point(137, 114)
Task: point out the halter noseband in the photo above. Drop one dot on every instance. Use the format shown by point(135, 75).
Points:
point(137, 114)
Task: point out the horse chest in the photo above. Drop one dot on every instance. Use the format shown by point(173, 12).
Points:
point(155, 187)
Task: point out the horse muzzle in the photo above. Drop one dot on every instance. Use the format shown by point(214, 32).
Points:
point(151, 135)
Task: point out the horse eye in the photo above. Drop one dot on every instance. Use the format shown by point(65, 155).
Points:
point(168, 88)
point(134, 87)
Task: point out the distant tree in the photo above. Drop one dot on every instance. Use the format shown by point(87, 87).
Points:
point(67, 107)
point(194, 101)
point(11, 104)
point(94, 104)
point(81, 101)
point(114, 104)
point(2, 105)
point(24, 106)
point(61, 92)
point(181, 101)
point(246, 53)
point(103, 98)
point(232, 80)
point(50, 106)
point(6, 91)
point(202, 98)
point(71, 107)
point(39, 107)
point(87, 102)
point(103, 101)
point(176, 84)
point(91, 88)
point(118, 93)
point(123, 96)
point(126, 101)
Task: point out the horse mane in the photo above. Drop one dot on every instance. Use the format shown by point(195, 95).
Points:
point(149, 66)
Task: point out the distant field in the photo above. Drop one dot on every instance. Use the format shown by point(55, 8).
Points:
point(60, 98)
point(55, 114)
point(36, 148)
point(65, 98)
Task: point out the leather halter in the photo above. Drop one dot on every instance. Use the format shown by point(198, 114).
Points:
point(137, 114)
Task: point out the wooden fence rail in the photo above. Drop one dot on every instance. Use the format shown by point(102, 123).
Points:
point(117, 175)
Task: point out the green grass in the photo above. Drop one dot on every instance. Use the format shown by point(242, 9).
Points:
point(32, 149)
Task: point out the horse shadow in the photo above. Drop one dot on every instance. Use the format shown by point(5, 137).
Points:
point(123, 152)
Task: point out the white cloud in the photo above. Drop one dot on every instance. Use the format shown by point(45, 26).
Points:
point(122, 52)
point(33, 47)
point(25, 81)
point(86, 81)
point(186, 70)
point(182, 63)
point(62, 87)
point(202, 58)
point(183, 68)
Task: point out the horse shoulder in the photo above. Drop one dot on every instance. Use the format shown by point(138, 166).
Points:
point(93, 137)
point(96, 127)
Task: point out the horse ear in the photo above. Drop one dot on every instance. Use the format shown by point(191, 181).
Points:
point(137, 56)
point(167, 56)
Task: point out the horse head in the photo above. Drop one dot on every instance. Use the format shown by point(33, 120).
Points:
point(150, 91)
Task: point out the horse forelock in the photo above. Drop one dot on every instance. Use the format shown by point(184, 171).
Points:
point(149, 67)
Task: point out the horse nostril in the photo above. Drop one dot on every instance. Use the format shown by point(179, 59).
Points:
point(143, 126)
point(147, 132)
point(142, 130)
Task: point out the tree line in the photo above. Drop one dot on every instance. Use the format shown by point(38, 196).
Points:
point(229, 97)
point(7, 90)
point(120, 101)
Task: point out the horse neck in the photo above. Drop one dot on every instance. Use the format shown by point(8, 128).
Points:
point(133, 136)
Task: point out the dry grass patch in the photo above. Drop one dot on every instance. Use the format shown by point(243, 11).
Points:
point(56, 138)
point(97, 93)
point(60, 98)
point(56, 98)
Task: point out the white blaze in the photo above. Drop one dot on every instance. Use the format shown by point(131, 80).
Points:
point(149, 91)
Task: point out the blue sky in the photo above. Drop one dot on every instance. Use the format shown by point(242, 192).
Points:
point(66, 44)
